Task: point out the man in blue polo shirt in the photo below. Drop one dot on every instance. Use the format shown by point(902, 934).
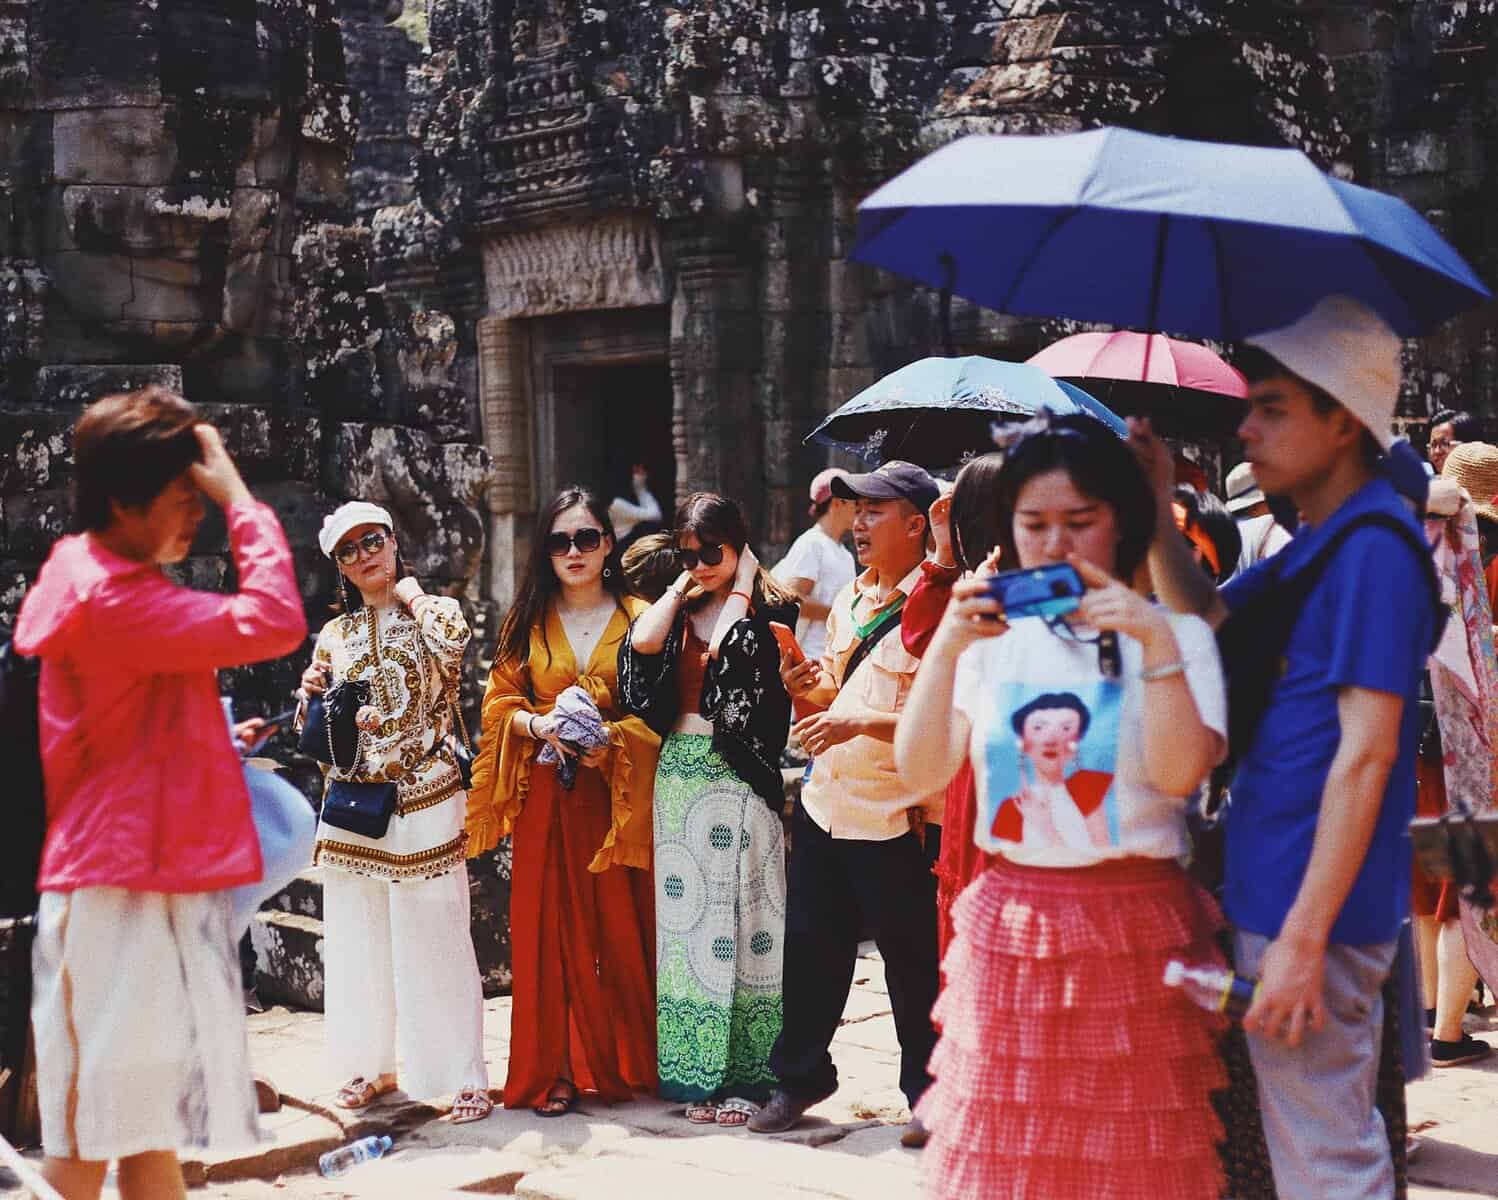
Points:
point(1318, 866)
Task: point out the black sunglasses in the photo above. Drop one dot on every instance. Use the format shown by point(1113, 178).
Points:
point(710, 555)
point(371, 543)
point(586, 541)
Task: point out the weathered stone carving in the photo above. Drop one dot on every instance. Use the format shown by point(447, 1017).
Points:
point(749, 129)
point(611, 262)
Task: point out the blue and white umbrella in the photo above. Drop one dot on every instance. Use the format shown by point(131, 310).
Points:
point(939, 412)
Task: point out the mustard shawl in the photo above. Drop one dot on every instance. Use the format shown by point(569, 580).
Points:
point(502, 767)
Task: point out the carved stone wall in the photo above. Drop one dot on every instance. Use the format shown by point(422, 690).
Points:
point(175, 206)
point(746, 131)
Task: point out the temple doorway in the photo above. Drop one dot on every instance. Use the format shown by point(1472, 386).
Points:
point(604, 385)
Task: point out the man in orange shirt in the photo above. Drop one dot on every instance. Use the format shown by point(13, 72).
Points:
point(861, 846)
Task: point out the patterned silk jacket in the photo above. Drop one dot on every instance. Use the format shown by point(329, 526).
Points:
point(411, 660)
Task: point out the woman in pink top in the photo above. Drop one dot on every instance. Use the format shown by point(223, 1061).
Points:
point(137, 1012)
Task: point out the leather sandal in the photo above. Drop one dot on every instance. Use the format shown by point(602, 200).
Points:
point(359, 1092)
point(702, 1113)
point(470, 1104)
point(558, 1105)
point(735, 1111)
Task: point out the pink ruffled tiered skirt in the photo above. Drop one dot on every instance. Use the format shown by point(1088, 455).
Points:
point(1066, 1068)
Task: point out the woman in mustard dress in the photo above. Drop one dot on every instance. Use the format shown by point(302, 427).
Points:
point(582, 917)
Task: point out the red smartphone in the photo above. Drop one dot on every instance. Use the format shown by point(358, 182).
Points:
point(789, 646)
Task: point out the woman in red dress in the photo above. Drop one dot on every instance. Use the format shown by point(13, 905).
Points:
point(582, 913)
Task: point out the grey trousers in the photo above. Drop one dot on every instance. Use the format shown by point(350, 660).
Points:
point(1325, 1135)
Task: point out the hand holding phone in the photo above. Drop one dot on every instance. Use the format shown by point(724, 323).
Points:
point(794, 656)
point(789, 646)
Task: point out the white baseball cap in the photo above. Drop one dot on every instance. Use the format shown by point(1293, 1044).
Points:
point(349, 516)
point(1347, 350)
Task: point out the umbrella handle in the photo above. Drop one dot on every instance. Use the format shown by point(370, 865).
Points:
point(949, 270)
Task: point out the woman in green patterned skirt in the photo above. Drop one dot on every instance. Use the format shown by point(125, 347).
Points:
point(703, 668)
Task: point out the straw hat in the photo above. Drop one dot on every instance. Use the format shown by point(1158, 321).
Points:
point(1474, 465)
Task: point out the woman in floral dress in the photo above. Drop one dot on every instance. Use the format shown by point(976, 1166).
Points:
point(702, 666)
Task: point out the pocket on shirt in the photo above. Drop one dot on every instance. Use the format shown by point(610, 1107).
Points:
point(889, 671)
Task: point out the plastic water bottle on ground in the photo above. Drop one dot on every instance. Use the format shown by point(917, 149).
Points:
point(344, 1159)
point(1214, 988)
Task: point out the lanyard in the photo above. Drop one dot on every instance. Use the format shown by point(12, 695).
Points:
point(880, 617)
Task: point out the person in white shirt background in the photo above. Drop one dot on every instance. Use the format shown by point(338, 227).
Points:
point(818, 566)
point(1263, 536)
point(643, 513)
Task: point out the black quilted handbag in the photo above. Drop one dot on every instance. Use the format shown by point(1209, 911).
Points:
point(329, 733)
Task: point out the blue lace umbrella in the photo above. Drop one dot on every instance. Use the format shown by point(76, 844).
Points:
point(939, 412)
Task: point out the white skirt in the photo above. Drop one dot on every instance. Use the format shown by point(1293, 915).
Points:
point(139, 1022)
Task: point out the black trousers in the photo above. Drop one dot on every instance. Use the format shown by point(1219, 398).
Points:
point(836, 888)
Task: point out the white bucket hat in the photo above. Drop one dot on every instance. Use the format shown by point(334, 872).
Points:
point(349, 516)
point(1347, 350)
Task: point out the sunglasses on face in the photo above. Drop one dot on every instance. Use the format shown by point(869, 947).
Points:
point(586, 541)
point(371, 543)
point(709, 555)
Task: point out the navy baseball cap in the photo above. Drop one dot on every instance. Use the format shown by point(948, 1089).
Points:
point(894, 480)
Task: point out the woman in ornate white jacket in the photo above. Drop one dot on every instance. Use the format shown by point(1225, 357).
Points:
point(398, 956)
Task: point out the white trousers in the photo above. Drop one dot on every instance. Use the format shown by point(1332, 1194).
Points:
point(400, 966)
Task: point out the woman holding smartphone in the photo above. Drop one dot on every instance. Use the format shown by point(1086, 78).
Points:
point(1065, 1067)
point(703, 667)
point(582, 921)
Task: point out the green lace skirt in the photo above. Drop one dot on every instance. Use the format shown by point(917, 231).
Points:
point(720, 925)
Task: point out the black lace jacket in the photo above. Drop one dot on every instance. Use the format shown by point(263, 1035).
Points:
point(741, 695)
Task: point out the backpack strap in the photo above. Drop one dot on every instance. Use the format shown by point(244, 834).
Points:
point(1305, 579)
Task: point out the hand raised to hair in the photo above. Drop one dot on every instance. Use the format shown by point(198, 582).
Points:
point(748, 569)
point(215, 472)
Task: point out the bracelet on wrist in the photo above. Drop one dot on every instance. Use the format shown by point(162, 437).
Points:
point(1166, 671)
point(530, 725)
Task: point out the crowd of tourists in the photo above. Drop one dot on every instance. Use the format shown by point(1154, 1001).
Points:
point(1020, 812)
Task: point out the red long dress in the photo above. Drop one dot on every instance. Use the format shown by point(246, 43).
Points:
point(582, 895)
point(961, 861)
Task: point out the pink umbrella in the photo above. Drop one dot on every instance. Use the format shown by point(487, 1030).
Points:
point(1183, 386)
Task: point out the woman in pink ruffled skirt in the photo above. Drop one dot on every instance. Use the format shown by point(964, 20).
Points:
point(1066, 1068)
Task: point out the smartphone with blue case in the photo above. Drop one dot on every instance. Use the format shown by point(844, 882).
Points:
point(1049, 591)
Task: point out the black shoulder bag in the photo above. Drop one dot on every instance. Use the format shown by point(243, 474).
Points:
point(362, 808)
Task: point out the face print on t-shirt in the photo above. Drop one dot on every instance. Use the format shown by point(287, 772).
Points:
point(1051, 764)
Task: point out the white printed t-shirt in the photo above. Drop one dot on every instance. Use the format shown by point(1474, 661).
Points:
point(1068, 787)
point(817, 557)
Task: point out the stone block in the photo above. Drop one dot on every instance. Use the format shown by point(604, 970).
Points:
point(91, 287)
point(288, 958)
point(122, 145)
point(38, 448)
point(94, 54)
point(72, 386)
point(35, 520)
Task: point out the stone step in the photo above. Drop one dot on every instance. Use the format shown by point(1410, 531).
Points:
point(288, 958)
point(302, 896)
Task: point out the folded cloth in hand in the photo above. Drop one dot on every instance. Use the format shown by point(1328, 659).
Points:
point(577, 722)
